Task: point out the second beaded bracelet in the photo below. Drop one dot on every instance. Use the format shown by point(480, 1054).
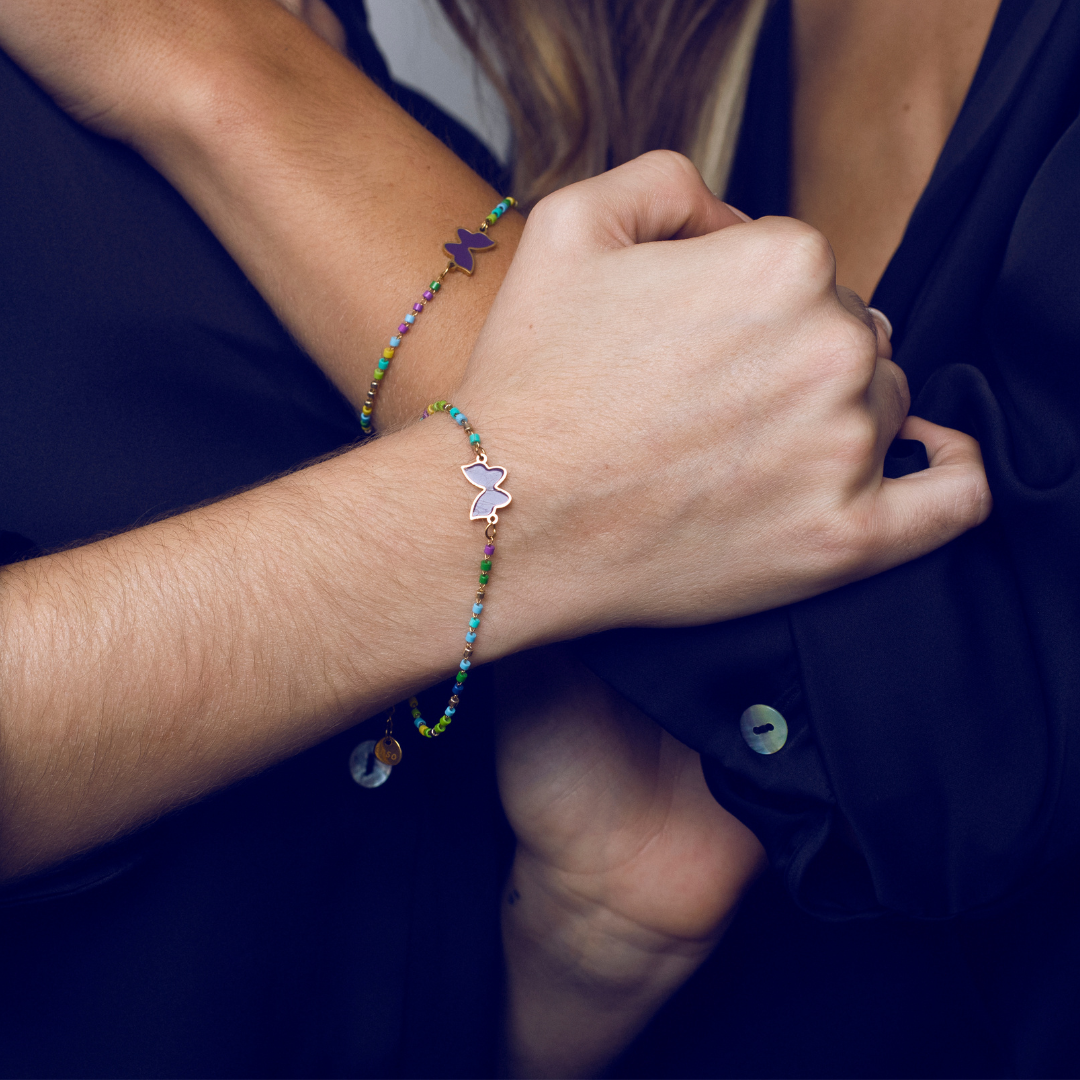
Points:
point(461, 258)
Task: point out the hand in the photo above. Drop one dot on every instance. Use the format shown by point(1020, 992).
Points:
point(695, 429)
point(626, 873)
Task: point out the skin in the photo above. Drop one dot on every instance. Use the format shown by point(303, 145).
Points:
point(878, 86)
point(126, 731)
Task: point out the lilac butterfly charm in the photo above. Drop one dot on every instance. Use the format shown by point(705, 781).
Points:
point(468, 242)
point(492, 498)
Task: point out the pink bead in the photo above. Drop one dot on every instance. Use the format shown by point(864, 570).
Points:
point(418, 307)
point(403, 328)
point(428, 294)
point(489, 549)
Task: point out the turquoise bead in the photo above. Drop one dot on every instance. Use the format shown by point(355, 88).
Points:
point(461, 418)
point(384, 364)
point(477, 608)
point(465, 665)
point(474, 438)
point(474, 623)
point(470, 638)
point(449, 710)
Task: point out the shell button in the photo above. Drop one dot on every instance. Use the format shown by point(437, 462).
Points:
point(764, 729)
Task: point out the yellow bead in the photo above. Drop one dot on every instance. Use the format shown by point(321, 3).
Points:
point(388, 353)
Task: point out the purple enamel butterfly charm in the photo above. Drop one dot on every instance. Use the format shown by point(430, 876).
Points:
point(468, 242)
point(492, 498)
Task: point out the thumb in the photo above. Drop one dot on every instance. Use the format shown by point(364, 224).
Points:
point(924, 510)
point(658, 196)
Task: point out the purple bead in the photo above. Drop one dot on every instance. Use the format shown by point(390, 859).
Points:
point(428, 294)
point(418, 307)
point(489, 549)
point(403, 328)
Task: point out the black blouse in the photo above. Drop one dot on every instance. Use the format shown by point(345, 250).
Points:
point(930, 707)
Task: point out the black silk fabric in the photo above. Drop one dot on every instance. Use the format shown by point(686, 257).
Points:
point(933, 708)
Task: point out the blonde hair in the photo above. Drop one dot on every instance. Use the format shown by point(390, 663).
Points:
point(590, 84)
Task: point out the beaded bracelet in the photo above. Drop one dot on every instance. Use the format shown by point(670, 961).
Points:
point(485, 507)
point(461, 258)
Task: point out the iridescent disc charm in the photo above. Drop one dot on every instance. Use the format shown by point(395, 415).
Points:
point(388, 750)
point(366, 768)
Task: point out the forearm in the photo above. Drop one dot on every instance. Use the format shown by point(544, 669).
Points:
point(145, 670)
point(332, 199)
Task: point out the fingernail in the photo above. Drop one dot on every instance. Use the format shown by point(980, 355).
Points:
point(738, 213)
point(884, 320)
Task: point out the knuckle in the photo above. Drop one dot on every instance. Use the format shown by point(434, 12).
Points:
point(563, 215)
point(855, 440)
point(846, 349)
point(807, 255)
point(670, 167)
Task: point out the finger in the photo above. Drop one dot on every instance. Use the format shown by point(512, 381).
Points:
point(870, 317)
point(658, 196)
point(924, 510)
point(884, 324)
point(888, 399)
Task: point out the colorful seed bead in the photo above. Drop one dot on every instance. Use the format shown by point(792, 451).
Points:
point(484, 578)
point(395, 342)
point(418, 308)
point(410, 318)
point(435, 286)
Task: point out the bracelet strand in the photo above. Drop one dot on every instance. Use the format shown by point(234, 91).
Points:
point(485, 507)
point(461, 258)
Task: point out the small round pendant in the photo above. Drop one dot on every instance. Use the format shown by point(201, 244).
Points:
point(366, 767)
point(388, 750)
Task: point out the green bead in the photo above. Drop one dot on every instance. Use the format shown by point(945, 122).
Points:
point(485, 565)
point(378, 374)
point(491, 219)
point(462, 676)
point(483, 579)
point(435, 286)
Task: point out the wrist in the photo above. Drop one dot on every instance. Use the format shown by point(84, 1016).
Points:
point(582, 980)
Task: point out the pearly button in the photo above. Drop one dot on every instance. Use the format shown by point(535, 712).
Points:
point(764, 729)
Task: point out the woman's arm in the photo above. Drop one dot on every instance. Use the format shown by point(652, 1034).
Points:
point(332, 199)
point(626, 874)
